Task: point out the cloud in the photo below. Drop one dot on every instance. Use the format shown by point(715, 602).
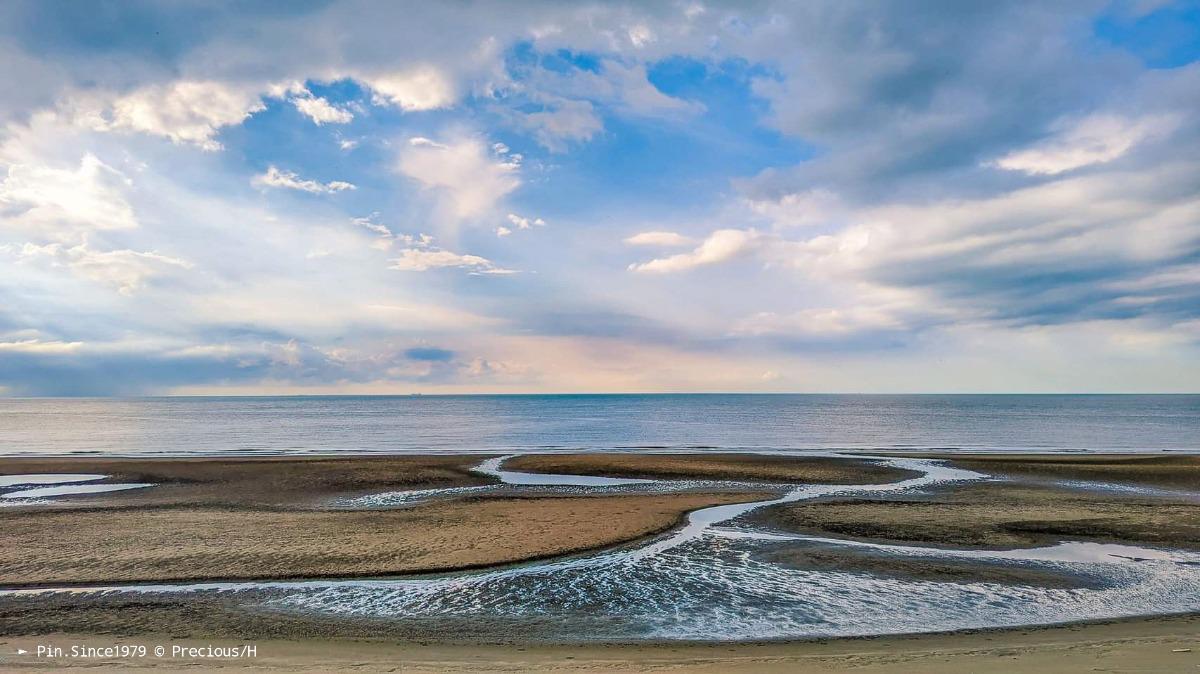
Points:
point(273, 177)
point(663, 239)
point(562, 123)
point(37, 346)
point(521, 222)
point(823, 322)
point(982, 192)
point(801, 209)
point(54, 202)
point(415, 89)
point(425, 259)
point(185, 111)
point(565, 103)
point(1077, 248)
point(639, 96)
point(126, 270)
point(321, 111)
point(720, 246)
point(370, 223)
point(468, 178)
point(1095, 139)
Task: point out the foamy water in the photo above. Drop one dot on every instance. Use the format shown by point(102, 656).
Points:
point(709, 581)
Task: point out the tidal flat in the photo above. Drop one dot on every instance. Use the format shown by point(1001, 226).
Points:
point(271, 547)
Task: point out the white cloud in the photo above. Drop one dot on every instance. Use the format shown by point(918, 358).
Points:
point(289, 180)
point(126, 270)
point(55, 202)
point(37, 346)
point(1095, 139)
point(1087, 220)
point(665, 239)
point(518, 223)
point(563, 122)
point(639, 95)
point(569, 100)
point(720, 246)
point(421, 141)
point(187, 112)
point(321, 111)
point(640, 35)
point(425, 259)
point(370, 223)
point(525, 223)
point(818, 322)
point(468, 177)
point(801, 209)
point(424, 87)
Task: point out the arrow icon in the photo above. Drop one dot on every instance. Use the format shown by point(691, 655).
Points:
point(21, 651)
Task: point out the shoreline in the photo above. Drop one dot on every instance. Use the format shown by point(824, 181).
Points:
point(938, 452)
point(1145, 644)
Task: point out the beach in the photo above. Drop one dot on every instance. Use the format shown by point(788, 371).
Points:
point(1149, 645)
point(298, 519)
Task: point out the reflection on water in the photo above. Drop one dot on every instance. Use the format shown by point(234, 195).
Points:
point(66, 490)
point(540, 422)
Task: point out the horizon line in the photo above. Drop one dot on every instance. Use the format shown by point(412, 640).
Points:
point(599, 394)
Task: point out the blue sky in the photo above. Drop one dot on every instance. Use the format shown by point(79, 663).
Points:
point(357, 197)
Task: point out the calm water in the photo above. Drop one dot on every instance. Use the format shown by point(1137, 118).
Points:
point(486, 423)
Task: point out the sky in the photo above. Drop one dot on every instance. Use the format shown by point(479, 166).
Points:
point(375, 197)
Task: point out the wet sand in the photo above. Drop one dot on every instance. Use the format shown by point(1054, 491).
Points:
point(995, 515)
point(712, 466)
point(1166, 471)
point(1167, 644)
point(254, 481)
point(181, 543)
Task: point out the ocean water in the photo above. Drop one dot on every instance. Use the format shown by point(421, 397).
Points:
point(383, 424)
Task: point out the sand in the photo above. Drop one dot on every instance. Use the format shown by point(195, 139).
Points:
point(1142, 646)
point(257, 481)
point(711, 466)
point(164, 543)
point(1167, 471)
point(995, 515)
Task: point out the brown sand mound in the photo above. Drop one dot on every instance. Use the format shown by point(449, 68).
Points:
point(995, 515)
point(196, 543)
point(1172, 471)
point(751, 467)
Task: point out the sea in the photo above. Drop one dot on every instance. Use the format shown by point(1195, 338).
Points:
point(171, 426)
